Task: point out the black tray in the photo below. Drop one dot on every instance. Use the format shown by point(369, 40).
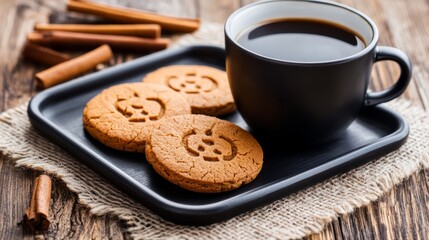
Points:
point(57, 112)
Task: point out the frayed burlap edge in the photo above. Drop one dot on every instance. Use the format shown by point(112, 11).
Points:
point(294, 216)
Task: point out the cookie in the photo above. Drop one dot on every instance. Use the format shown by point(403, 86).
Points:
point(203, 153)
point(206, 88)
point(123, 116)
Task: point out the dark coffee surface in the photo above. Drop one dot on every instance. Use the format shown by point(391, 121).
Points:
point(301, 40)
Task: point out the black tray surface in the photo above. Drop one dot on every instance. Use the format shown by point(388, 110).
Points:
point(57, 114)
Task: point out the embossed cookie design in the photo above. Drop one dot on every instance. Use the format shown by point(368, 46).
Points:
point(203, 153)
point(210, 148)
point(137, 109)
point(206, 88)
point(123, 116)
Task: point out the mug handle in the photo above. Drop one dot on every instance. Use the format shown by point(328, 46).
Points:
point(388, 53)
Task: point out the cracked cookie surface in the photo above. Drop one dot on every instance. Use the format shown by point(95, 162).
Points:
point(206, 88)
point(123, 115)
point(203, 153)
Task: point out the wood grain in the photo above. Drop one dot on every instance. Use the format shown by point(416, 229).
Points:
point(402, 213)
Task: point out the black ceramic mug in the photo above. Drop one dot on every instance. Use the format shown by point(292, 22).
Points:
point(311, 102)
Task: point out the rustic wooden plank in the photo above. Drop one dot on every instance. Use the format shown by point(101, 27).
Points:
point(74, 221)
point(70, 220)
point(14, 193)
point(16, 88)
point(177, 8)
point(327, 233)
point(246, 2)
point(17, 81)
point(410, 34)
point(386, 73)
point(218, 12)
point(400, 214)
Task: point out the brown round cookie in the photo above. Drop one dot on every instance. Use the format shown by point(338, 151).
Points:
point(123, 116)
point(203, 153)
point(206, 88)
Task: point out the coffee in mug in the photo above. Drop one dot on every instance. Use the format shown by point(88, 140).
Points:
point(301, 40)
point(299, 70)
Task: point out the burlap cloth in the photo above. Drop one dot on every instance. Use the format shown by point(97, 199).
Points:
point(294, 216)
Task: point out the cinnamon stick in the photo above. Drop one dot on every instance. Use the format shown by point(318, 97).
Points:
point(37, 215)
point(69, 39)
point(43, 55)
point(74, 67)
point(142, 30)
point(127, 15)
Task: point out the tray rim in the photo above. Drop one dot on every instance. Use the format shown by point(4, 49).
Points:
point(198, 213)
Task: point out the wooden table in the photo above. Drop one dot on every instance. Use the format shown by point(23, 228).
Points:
point(402, 213)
